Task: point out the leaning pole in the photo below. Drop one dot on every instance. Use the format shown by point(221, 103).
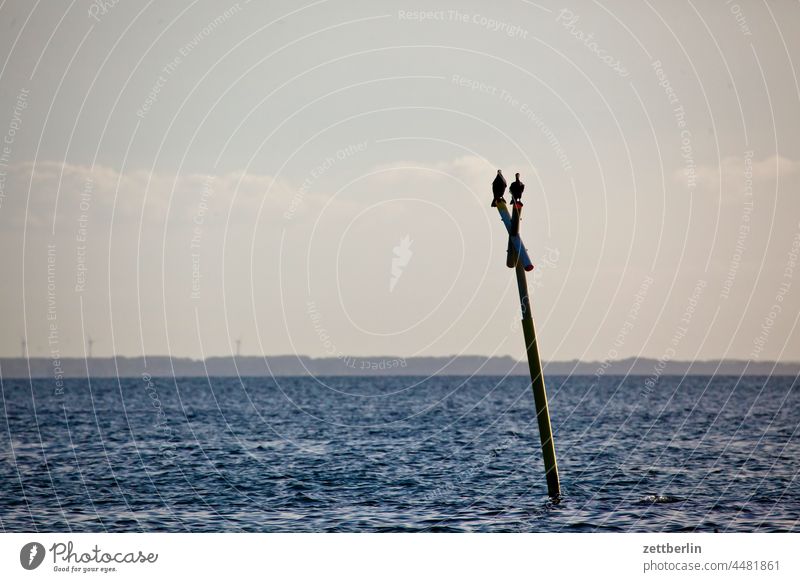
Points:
point(518, 259)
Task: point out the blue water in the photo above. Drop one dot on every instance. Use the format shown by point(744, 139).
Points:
point(398, 454)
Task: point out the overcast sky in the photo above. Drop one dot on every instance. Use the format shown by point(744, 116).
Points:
point(314, 178)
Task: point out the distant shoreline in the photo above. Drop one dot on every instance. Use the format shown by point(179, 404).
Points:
point(255, 366)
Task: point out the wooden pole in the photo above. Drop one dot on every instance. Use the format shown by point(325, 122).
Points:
point(535, 365)
point(537, 385)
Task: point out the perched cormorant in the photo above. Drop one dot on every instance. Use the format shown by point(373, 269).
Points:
point(516, 190)
point(498, 188)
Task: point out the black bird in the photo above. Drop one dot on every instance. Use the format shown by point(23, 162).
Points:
point(498, 188)
point(516, 190)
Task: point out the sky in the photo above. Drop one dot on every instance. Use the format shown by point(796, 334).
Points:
point(314, 178)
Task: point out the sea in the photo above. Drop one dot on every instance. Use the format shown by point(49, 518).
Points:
point(398, 454)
